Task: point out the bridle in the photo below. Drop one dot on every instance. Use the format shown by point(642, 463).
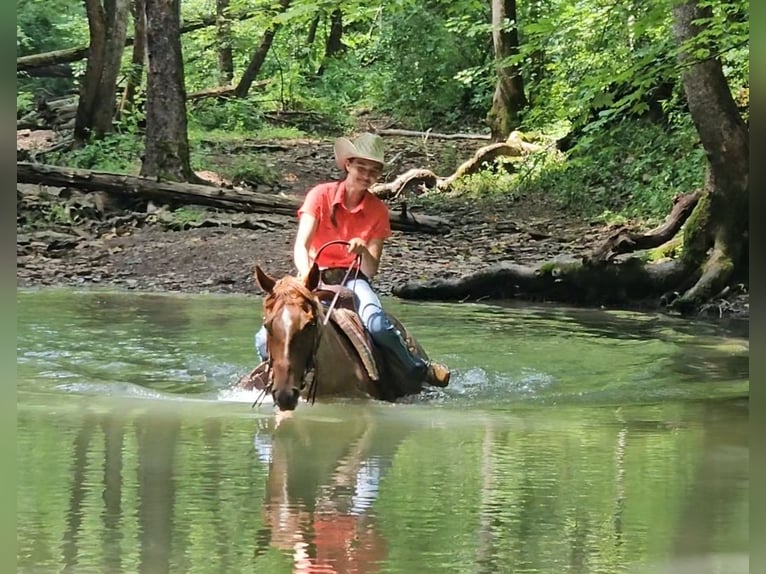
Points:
point(313, 325)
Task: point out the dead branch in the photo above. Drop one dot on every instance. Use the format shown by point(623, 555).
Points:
point(430, 134)
point(25, 63)
point(626, 241)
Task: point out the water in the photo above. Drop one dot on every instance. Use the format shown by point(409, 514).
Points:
point(567, 441)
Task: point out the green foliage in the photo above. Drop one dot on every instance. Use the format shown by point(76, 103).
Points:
point(500, 179)
point(189, 214)
point(25, 102)
point(416, 80)
point(119, 152)
point(237, 115)
point(253, 171)
point(634, 169)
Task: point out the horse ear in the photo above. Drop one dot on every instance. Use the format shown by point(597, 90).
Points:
point(264, 280)
point(312, 279)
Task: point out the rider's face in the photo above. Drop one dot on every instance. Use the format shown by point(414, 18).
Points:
point(362, 173)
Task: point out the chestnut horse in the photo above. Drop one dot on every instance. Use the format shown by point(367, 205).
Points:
point(301, 339)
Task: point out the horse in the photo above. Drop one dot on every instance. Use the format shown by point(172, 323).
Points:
point(302, 339)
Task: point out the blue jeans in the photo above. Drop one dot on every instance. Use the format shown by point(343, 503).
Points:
point(376, 322)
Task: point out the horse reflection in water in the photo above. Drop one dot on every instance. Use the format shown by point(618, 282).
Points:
point(323, 479)
point(301, 339)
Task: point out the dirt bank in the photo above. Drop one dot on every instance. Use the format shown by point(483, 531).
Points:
point(96, 244)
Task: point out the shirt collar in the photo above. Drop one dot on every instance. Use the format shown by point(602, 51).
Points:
point(340, 194)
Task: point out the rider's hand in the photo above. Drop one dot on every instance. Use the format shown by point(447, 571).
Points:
point(357, 246)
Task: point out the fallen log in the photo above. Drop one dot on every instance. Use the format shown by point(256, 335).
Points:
point(26, 63)
point(430, 134)
point(211, 196)
point(630, 282)
point(222, 91)
point(626, 241)
point(52, 71)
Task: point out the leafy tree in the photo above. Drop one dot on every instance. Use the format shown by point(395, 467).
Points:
point(716, 241)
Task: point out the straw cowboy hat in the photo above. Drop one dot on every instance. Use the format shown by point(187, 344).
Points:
point(365, 146)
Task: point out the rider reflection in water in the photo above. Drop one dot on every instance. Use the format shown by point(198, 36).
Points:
point(348, 211)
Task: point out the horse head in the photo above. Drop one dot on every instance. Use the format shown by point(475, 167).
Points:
point(291, 315)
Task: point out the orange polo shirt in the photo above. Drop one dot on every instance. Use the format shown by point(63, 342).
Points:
point(368, 220)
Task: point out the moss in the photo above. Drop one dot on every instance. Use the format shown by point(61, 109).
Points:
point(668, 250)
point(697, 236)
point(556, 268)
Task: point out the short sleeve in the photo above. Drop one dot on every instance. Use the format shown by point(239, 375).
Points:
point(312, 204)
point(382, 227)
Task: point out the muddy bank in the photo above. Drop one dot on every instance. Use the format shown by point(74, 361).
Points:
point(65, 238)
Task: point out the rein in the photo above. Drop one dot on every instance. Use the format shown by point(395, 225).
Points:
point(357, 265)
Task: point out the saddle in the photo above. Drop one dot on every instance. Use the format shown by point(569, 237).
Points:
point(346, 318)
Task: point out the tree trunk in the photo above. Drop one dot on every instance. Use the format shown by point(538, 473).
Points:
point(108, 29)
point(716, 239)
point(138, 59)
point(334, 44)
point(260, 55)
point(116, 12)
point(311, 36)
point(166, 155)
point(223, 38)
point(90, 82)
point(509, 98)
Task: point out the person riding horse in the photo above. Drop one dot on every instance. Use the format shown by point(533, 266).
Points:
point(356, 224)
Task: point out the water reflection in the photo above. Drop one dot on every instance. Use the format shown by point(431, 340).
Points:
point(323, 478)
point(129, 462)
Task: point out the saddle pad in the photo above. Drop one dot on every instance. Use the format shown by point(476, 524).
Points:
point(349, 322)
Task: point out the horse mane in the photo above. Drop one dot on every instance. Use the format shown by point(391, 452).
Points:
point(290, 290)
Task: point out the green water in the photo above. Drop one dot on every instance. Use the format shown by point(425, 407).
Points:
point(568, 441)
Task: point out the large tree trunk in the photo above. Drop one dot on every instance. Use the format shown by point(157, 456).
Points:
point(716, 240)
point(89, 85)
point(223, 39)
point(166, 155)
point(259, 57)
point(108, 30)
point(509, 98)
point(138, 59)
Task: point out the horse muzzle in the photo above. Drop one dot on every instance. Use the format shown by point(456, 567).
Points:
point(286, 399)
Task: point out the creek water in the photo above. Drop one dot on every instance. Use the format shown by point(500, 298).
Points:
point(568, 440)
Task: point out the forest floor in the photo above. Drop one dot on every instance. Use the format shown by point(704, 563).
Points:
point(93, 240)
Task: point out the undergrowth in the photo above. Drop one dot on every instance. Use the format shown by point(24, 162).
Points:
point(632, 170)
